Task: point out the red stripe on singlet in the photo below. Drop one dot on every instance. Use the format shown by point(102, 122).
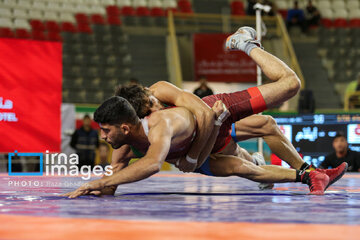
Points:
point(257, 100)
point(227, 141)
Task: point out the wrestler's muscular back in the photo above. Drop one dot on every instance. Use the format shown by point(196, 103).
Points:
point(183, 126)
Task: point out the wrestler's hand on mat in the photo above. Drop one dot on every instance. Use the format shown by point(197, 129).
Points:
point(92, 187)
point(105, 191)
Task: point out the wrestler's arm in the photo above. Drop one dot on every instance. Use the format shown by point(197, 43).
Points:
point(218, 108)
point(207, 151)
point(120, 159)
point(205, 117)
point(160, 139)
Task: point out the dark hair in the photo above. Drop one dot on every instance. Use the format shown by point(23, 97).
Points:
point(86, 116)
point(133, 80)
point(115, 110)
point(339, 134)
point(138, 97)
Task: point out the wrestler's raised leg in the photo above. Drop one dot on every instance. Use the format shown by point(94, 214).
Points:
point(285, 82)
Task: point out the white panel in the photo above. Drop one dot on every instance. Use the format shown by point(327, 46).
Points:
point(20, 13)
point(170, 4)
point(22, 23)
point(6, 22)
point(140, 3)
point(24, 4)
point(67, 17)
point(5, 12)
point(35, 14)
point(340, 13)
point(49, 15)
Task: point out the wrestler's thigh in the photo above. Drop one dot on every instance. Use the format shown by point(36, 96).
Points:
point(252, 127)
point(275, 93)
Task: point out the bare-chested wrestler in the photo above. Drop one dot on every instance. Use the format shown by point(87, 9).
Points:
point(167, 134)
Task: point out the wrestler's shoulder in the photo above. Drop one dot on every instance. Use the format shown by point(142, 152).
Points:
point(170, 114)
point(159, 117)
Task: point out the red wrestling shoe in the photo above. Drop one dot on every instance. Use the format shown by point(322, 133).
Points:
point(317, 182)
point(335, 173)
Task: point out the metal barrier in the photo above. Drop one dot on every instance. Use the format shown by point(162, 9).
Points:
point(173, 54)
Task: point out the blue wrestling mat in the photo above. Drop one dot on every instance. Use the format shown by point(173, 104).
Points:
point(174, 197)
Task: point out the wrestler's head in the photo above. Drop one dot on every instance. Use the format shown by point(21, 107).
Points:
point(140, 98)
point(116, 117)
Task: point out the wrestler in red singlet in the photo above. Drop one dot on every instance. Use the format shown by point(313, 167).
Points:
point(240, 104)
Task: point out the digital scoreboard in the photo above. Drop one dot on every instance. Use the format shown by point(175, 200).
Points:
point(312, 135)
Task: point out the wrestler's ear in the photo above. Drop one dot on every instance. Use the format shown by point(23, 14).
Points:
point(125, 129)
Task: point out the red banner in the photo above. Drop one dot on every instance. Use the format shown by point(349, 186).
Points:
point(30, 95)
point(211, 60)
